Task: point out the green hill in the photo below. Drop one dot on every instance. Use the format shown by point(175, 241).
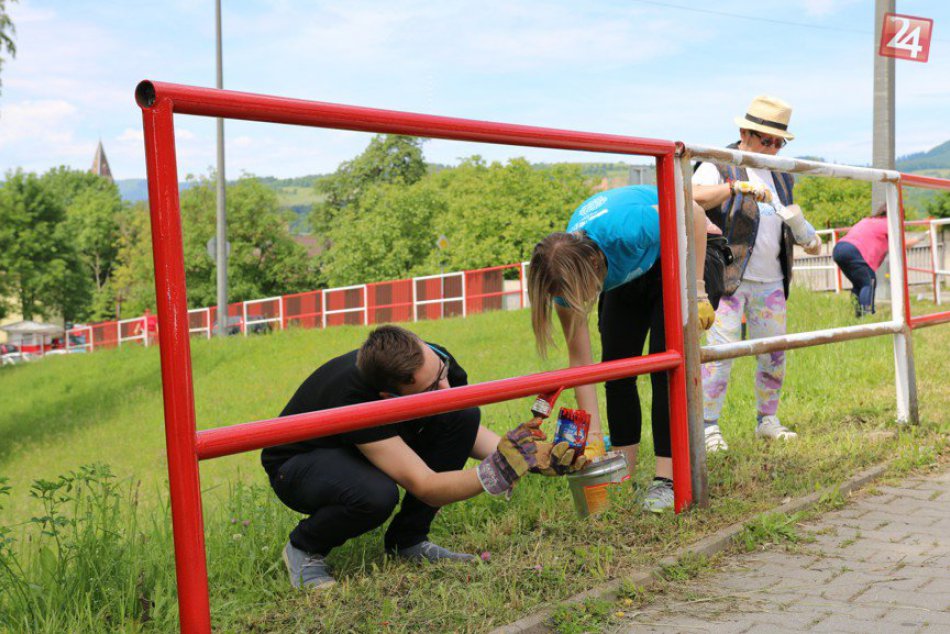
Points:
point(934, 158)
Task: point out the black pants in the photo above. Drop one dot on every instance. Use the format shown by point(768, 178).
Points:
point(626, 314)
point(345, 495)
point(859, 273)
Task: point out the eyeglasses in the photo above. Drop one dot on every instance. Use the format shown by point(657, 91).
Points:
point(443, 371)
point(770, 141)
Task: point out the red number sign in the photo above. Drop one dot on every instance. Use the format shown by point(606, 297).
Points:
point(906, 37)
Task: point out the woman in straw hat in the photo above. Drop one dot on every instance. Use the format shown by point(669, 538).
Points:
point(609, 257)
point(754, 209)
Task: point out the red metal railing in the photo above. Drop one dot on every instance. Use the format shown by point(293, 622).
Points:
point(925, 182)
point(185, 446)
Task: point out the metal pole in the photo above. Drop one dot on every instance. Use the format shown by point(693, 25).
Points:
point(906, 375)
point(691, 336)
point(221, 252)
point(883, 153)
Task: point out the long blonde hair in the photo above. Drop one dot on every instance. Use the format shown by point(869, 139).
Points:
point(566, 265)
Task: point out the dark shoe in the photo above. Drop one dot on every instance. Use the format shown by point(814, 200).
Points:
point(427, 551)
point(306, 570)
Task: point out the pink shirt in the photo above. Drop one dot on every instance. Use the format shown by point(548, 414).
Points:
point(869, 236)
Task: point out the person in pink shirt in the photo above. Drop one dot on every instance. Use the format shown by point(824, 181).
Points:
point(860, 253)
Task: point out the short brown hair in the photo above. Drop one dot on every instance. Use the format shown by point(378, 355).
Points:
point(389, 358)
point(566, 265)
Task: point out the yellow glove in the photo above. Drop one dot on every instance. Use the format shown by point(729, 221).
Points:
point(556, 460)
point(760, 192)
point(595, 447)
point(516, 455)
point(707, 316)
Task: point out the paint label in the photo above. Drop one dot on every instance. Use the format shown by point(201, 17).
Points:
point(597, 498)
point(572, 428)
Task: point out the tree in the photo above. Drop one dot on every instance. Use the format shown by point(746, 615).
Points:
point(491, 214)
point(39, 266)
point(264, 260)
point(133, 281)
point(93, 207)
point(389, 158)
point(7, 30)
point(939, 205)
point(833, 202)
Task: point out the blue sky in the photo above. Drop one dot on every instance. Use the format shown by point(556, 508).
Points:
point(627, 67)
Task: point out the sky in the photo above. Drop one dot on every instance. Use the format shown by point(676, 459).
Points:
point(674, 70)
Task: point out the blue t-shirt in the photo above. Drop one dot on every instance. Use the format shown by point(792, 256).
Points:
point(626, 227)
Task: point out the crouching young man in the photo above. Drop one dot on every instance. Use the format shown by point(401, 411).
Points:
point(346, 484)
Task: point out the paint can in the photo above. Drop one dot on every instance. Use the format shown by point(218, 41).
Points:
point(590, 486)
point(572, 428)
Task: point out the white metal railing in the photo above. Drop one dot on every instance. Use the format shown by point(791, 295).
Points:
point(339, 311)
point(205, 327)
point(139, 330)
point(442, 300)
point(251, 321)
point(898, 325)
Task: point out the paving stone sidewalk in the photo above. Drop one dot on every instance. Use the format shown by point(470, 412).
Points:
point(880, 564)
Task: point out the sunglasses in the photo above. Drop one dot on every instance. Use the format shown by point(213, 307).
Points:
point(770, 141)
point(443, 371)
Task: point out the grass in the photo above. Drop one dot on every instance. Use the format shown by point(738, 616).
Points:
point(62, 413)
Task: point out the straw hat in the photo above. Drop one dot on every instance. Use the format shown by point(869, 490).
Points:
point(769, 115)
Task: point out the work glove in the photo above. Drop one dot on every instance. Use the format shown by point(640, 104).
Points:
point(707, 315)
point(814, 247)
point(516, 455)
point(758, 191)
point(802, 231)
point(556, 460)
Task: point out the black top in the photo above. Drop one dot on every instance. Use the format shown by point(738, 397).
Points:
point(334, 384)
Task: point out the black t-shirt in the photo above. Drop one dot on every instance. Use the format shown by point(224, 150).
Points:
point(334, 384)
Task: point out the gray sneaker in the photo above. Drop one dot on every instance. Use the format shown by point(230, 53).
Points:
point(771, 429)
point(427, 551)
point(309, 571)
point(659, 497)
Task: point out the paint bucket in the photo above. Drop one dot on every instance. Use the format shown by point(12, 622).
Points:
point(590, 486)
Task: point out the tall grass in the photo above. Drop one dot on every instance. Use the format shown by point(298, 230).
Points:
point(90, 550)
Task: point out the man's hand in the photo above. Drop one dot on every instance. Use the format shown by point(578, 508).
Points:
point(557, 460)
point(516, 455)
point(758, 191)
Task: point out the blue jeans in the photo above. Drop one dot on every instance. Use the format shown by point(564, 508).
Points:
point(862, 277)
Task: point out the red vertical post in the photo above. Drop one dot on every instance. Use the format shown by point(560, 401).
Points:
point(673, 324)
point(908, 317)
point(175, 353)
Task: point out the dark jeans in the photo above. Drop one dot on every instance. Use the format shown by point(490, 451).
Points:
point(626, 314)
point(862, 277)
point(345, 495)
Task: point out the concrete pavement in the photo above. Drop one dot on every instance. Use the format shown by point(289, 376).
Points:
point(880, 564)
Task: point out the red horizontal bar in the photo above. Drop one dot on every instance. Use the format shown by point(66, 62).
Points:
point(211, 102)
point(929, 320)
point(225, 441)
point(927, 182)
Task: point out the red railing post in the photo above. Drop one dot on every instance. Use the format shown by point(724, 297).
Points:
point(175, 351)
point(673, 325)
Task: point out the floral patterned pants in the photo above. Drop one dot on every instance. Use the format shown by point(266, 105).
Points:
point(763, 304)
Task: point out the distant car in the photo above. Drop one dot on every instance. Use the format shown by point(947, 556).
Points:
point(13, 358)
point(233, 327)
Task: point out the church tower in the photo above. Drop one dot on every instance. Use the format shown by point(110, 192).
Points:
point(100, 165)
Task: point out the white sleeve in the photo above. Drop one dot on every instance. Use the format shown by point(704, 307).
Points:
point(707, 174)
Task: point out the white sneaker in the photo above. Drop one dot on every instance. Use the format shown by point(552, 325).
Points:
point(714, 439)
point(771, 429)
point(659, 497)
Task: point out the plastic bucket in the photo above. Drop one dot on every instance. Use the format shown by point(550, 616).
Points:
point(589, 487)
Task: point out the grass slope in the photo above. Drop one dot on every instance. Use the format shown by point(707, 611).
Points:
point(65, 412)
